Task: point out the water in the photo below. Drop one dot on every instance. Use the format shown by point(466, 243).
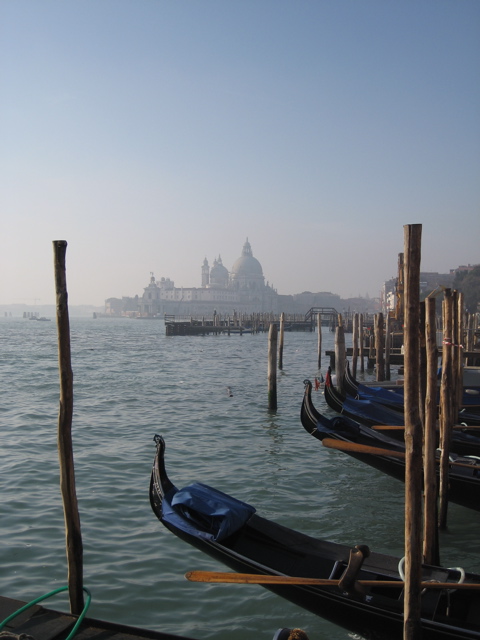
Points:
point(130, 382)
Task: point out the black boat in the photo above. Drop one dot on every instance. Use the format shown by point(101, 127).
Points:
point(367, 445)
point(231, 531)
point(370, 413)
point(392, 397)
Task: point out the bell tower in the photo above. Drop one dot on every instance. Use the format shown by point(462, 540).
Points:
point(205, 274)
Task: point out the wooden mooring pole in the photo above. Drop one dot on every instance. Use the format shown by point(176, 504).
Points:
point(319, 343)
point(379, 347)
point(362, 343)
point(272, 367)
point(431, 552)
point(388, 345)
point(413, 437)
point(355, 345)
point(340, 354)
point(446, 405)
point(73, 534)
point(280, 345)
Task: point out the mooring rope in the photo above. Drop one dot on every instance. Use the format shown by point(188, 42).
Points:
point(44, 597)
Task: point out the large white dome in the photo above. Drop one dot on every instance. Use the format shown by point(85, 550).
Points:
point(247, 270)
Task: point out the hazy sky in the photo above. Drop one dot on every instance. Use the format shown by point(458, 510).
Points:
point(151, 134)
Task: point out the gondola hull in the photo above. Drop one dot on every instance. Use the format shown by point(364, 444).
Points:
point(371, 413)
point(261, 546)
point(464, 481)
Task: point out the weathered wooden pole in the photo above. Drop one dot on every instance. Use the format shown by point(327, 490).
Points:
point(379, 347)
point(431, 551)
point(456, 359)
point(470, 320)
point(400, 302)
point(280, 344)
point(340, 354)
point(355, 345)
point(73, 535)
point(422, 366)
point(361, 338)
point(446, 406)
point(413, 436)
point(461, 334)
point(319, 343)
point(388, 345)
point(272, 367)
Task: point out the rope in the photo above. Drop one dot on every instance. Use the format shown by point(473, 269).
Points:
point(44, 597)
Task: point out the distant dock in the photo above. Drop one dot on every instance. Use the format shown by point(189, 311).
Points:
point(240, 324)
point(255, 323)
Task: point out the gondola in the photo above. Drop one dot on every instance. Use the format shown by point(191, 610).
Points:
point(392, 397)
point(358, 440)
point(233, 533)
point(365, 410)
point(370, 413)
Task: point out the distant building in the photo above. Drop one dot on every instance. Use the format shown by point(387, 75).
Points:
point(241, 290)
point(429, 281)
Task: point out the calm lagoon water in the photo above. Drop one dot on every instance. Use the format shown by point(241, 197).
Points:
point(130, 382)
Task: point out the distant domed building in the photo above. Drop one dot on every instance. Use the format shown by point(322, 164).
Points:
point(242, 290)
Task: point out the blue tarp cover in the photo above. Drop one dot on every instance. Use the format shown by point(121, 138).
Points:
point(206, 512)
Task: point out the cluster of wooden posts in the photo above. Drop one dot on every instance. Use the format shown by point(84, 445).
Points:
point(425, 499)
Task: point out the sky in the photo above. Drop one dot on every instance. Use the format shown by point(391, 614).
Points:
point(152, 134)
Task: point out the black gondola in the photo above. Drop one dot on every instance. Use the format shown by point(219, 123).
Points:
point(231, 532)
point(370, 413)
point(392, 397)
point(356, 439)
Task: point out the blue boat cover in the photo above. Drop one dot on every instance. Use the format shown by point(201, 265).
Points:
point(205, 512)
point(373, 411)
point(379, 394)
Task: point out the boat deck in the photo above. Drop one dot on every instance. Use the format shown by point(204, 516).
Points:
point(46, 624)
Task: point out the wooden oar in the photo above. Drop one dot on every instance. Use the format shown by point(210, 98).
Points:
point(218, 577)
point(343, 445)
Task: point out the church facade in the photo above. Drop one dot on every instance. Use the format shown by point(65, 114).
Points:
point(242, 290)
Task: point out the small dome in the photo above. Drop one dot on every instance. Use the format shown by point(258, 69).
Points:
point(218, 274)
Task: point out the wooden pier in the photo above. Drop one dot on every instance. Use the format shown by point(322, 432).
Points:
point(254, 323)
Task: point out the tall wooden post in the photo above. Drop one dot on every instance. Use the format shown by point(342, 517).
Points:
point(422, 367)
point(280, 345)
point(272, 367)
point(446, 406)
point(355, 345)
point(456, 359)
point(319, 343)
point(340, 354)
point(361, 339)
point(460, 348)
point(388, 346)
point(379, 347)
point(400, 302)
point(430, 534)
point(73, 534)
point(413, 436)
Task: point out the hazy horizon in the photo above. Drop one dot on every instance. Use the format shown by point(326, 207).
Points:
point(152, 134)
